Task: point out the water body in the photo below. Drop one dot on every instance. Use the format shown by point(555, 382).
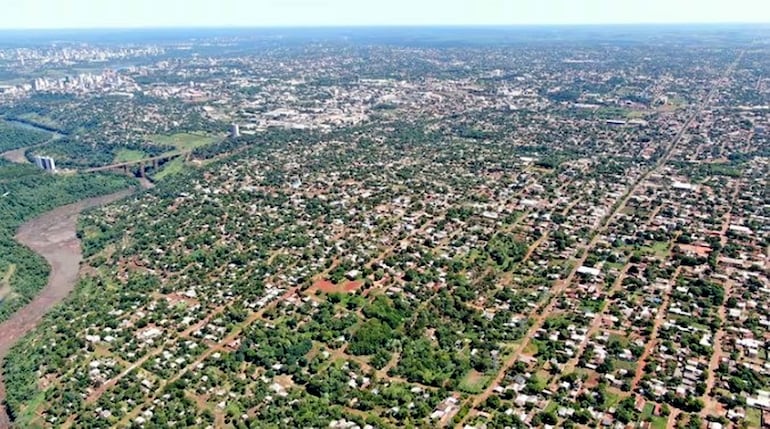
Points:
point(35, 127)
point(19, 155)
point(53, 236)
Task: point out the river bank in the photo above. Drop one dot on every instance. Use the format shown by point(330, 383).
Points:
point(53, 236)
point(19, 155)
point(22, 123)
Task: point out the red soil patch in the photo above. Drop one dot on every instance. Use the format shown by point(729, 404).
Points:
point(351, 286)
point(328, 287)
point(325, 286)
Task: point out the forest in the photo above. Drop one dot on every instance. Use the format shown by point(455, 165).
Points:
point(28, 192)
point(14, 137)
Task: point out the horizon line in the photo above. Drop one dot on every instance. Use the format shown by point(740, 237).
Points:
point(393, 26)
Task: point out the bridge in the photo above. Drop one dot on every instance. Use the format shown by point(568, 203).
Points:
point(128, 167)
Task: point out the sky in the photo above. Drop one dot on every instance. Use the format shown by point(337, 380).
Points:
point(55, 14)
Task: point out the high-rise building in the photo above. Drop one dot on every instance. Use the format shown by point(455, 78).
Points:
point(49, 164)
point(45, 162)
point(234, 131)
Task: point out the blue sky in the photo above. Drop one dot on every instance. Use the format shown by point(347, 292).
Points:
point(193, 13)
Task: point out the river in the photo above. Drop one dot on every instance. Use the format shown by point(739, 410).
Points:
point(34, 127)
point(53, 236)
point(20, 155)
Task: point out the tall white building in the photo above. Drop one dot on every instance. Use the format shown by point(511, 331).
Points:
point(45, 162)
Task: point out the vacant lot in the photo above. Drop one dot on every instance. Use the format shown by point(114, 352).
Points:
point(474, 382)
point(128, 155)
point(184, 141)
point(328, 287)
point(172, 167)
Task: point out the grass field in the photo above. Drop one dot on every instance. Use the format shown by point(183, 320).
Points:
point(649, 407)
point(624, 364)
point(753, 417)
point(659, 249)
point(184, 141)
point(611, 399)
point(636, 114)
point(128, 155)
point(474, 382)
point(530, 349)
point(551, 407)
point(612, 112)
point(593, 305)
point(542, 377)
point(172, 167)
point(659, 422)
point(624, 342)
point(181, 142)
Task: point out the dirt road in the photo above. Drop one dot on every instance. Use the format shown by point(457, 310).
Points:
point(52, 235)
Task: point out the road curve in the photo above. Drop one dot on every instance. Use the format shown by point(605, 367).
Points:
point(51, 235)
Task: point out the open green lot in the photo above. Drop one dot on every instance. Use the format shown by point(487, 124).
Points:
point(659, 422)
point(753, 417)
point(474, 382)
point(128, 155)
point(172, 167)
point(184, 141)
point(181, 142)
point(649, 407)
point(659, 249)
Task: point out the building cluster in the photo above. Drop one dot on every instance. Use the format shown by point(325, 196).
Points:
point(83, 82)
point(472, 238)
point(68, 54)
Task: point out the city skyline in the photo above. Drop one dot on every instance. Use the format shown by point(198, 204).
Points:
point(86, 14)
